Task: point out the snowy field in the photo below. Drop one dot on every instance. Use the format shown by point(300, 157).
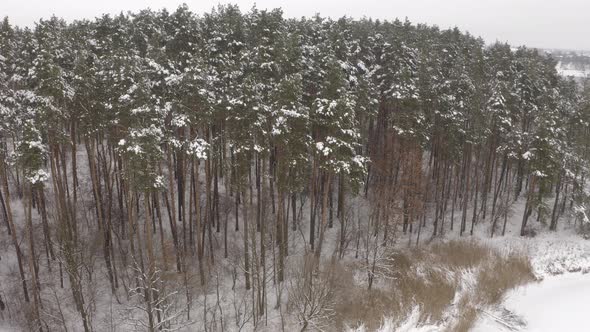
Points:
point(557, 303)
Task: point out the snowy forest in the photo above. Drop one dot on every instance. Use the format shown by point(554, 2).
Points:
point(226, 171)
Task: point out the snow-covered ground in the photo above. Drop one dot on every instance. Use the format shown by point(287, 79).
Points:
point(557, 303)
point(556, 257)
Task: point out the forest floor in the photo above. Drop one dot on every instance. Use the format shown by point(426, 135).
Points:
point(446, 283)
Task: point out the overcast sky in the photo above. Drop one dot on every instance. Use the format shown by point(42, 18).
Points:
point(537, 23)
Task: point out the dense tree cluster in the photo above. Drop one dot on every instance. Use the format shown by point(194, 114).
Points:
point(152, 135)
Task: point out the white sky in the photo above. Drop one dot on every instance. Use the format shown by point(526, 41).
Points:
point(536, 23)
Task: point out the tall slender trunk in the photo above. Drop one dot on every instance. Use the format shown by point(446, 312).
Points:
point(312, 192)
point(98, 203)
point(465, 194)
point(32, 266)
point(172, 210)
point(555, 214)
point(153, 288)
point(475, 200)
point(13, 233)
point(528, 206)
point(245, 230)
point(280, 233)
point(324, 221)
point(497, 192)
point(198, 224)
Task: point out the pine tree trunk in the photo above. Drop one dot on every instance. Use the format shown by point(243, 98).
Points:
point(33, 270)
point(324, 221)
point(245, 230)
point(13, 233)
point(312, 206)
point(555, 214)
point(528, 206)
point(172, 210)
point(497, 192)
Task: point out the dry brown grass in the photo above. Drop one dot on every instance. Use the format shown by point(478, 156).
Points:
point(467, 318)
point(503, 274)
point(496, 276)
point(354, 304)
point(432, 277)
